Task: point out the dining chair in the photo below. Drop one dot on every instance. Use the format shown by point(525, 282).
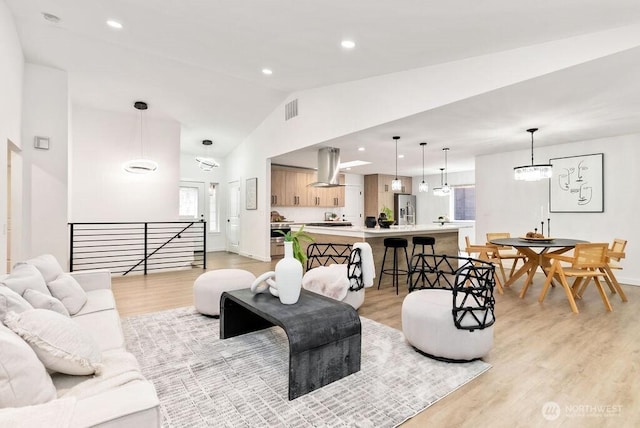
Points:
point(614, 255)
point(486, 253)
point(588, 262)
point(506, 253)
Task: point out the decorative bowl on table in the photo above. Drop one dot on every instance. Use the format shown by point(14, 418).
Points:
point(385, 223)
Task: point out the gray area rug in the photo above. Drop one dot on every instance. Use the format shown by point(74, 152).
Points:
point(242, 382)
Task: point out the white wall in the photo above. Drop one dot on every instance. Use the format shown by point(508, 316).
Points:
point(44, 175)
point(504, 204)
point(11, 69)
point(190, 171)
point(101, 191)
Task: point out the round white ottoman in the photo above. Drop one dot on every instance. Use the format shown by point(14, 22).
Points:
point(209, 286)
point(427, 324)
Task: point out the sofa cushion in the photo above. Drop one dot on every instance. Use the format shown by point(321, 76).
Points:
point(69, 292)
point(60, 343)
point(44, 301)
point(98, 300)
point(25, 276)
point(104, 327)
point(23, 379)
point(47, 265)
point(10, 301)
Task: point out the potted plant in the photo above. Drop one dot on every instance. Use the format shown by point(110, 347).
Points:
point(386, 217)
point(295, 238)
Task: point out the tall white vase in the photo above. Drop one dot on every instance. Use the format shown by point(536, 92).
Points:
point(288, 276)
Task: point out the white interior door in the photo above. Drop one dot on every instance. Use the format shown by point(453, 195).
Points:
point(233, 217)
point(192, 202)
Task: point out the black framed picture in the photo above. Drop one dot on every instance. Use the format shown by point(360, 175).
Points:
point(577, 185)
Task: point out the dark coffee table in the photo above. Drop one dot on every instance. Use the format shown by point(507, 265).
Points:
point(324, 334)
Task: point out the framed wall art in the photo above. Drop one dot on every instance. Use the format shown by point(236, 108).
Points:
point(577, 185)
point(252, 193)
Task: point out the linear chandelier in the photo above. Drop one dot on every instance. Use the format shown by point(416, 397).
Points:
point(424, 186)
point(444, 188)
point(532, 172)
point(396, 185)
point(207, 163)
point(140, 165)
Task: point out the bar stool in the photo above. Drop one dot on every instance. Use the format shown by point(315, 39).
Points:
point(420, 267)
point(396, 244)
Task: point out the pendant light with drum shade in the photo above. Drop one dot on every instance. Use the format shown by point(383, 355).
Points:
point(207, 163)
point(532, 172)
point(444, 188)
point(396, 185)
point(140, 165)
point(424, 186)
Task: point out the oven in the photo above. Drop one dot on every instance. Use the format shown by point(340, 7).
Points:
point(277, 238)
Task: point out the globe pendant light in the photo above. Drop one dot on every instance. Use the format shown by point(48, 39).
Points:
point(532, 172)
point(444, 188)
point(207, 163)
point(396, 185)
point(424, 186)
point(140, 165)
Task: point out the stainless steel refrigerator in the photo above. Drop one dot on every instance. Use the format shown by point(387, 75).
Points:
point(404, 209)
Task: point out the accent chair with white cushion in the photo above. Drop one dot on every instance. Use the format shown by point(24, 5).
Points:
point(208, 288)
point(452, 319)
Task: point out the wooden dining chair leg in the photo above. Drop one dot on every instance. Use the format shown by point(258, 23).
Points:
point(615, 283)
point(603, 294)
point(547, 282)
point(610, 284)
point(528, 282)
point(499, 284)
point(577, 287)
point(513, 267)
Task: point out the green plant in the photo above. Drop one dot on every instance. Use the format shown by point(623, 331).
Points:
point(295, 238)
point(388, 212)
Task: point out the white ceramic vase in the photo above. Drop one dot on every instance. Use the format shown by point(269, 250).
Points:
point(288, 276)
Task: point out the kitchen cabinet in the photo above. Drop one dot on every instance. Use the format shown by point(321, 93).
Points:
point(290, 187)
point(378, 193)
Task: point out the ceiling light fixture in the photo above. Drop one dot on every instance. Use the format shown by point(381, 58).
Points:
point(361, 149)
point(50, 17)
point(348, 44)
point(207, 163)
point(396, 184)
point(141, 165)
point(267, 71)
point(424, 186)
point(444, 188)
point(532, 172)
point(114, 24)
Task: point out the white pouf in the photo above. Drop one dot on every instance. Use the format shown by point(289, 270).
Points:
point(208, 288)
point(427, 324)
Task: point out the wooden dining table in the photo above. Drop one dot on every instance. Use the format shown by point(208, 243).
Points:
point(534, 249)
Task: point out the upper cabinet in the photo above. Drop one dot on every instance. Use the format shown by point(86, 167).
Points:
point(290, 187)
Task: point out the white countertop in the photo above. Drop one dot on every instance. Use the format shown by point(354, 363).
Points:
point(362, 232)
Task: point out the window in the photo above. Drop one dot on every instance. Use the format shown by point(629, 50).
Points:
point(464, 203)
point(188, 202)
point(214, 225)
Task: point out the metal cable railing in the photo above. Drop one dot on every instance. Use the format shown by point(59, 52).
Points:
point(129, 247)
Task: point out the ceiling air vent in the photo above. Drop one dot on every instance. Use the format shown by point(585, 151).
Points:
point(291, 109)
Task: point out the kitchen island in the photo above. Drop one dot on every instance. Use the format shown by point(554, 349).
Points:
point(446, 237)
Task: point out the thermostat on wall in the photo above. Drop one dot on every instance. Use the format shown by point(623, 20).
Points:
point(41, 143)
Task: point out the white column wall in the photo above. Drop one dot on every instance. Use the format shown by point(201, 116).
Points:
point(506, 205)
point(44, 175)
point(11, 77)
point(190, 171)
point(101, 191)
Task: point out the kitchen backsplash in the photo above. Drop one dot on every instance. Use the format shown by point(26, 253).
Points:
point(303, 215)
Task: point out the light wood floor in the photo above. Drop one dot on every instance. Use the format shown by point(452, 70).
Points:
point(542, 353)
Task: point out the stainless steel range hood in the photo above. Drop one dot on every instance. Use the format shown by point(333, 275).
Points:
point(328, 168)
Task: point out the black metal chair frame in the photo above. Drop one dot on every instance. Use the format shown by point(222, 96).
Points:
point(326, 254)
point(471, 281)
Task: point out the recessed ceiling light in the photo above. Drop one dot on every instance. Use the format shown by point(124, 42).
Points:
point(114, 24)
point(267, 71)
point(50, 17)
point(400, 156)
point(353, 164)
point(361, 149)
point(348, 44)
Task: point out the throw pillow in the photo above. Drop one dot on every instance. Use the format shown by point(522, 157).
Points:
point(25, 276)
point(66, 289)
point(47, 265)
point(10, 301)
point(61, 344)
point(44, 301)
point(23, 379)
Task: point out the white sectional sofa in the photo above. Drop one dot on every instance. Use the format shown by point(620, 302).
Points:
point(118, 396)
